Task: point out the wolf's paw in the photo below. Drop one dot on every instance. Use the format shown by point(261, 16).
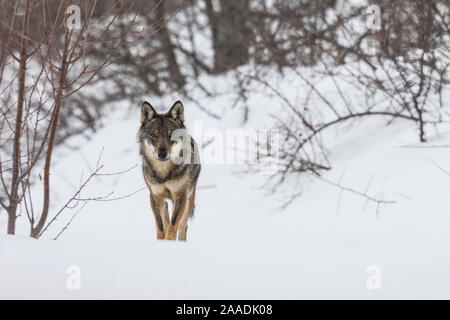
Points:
point(171, 236)
point(160, 235)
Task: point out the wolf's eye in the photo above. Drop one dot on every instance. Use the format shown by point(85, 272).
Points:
point(154, 134)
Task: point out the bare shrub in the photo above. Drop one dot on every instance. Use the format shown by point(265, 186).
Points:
point(44, 63)
point(399, 71)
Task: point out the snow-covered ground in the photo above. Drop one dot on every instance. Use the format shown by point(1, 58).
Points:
point(241, 244)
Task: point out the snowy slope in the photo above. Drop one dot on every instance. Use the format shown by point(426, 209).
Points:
point(241, 244)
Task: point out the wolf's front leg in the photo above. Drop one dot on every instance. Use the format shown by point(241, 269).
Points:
point(182, 235)
point(165, 215)
point(178, 209)
point(158, 205)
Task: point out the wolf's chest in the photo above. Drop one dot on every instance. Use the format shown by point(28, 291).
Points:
point(170, 187)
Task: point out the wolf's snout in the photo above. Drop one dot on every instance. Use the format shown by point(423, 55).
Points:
point(162, 154)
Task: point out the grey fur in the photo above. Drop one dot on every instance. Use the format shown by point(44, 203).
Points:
point(164, 178)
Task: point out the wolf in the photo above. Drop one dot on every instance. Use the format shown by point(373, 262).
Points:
point(171, 167)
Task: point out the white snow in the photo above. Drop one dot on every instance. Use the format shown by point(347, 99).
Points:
point(241, 244)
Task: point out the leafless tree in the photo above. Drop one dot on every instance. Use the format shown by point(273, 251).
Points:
point(399, 70)
point(39, 72)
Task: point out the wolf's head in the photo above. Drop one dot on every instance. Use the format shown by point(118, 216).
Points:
point(155, 134)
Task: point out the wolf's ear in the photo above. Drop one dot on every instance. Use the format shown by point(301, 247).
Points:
point(147, 112)
point(177, 111)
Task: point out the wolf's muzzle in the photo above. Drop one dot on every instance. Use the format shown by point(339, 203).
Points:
point(162, 155)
